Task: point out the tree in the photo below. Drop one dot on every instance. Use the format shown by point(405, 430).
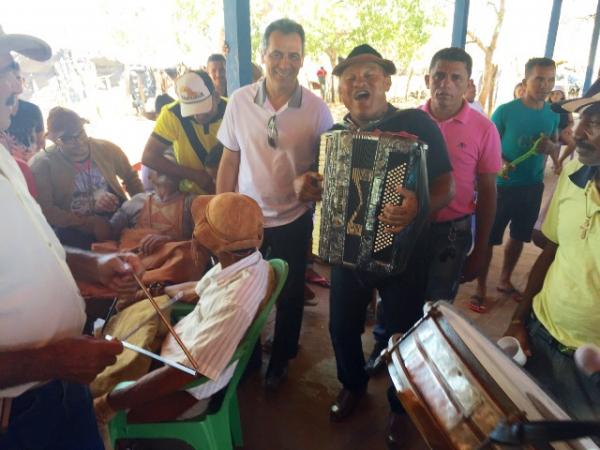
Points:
point(490, 72)
point(194, 23)
point(396, 28)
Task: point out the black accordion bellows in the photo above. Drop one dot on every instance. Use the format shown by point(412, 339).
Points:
point(361, 172)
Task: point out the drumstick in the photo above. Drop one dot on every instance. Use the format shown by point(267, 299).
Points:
point(170, 303)
point(167, 323)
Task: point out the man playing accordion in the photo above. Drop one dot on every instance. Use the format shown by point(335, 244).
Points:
point(365, 78)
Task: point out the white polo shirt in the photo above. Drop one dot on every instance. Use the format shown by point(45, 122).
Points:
point(267, 174)
point(39, 300)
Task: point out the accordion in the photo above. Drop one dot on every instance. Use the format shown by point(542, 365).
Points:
point(362, 171)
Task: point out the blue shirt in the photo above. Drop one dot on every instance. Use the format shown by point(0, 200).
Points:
point(519, 127)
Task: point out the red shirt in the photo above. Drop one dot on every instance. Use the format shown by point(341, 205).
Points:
point(28, 177)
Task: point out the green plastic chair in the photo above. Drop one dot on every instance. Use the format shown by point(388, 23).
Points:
point(219, 430)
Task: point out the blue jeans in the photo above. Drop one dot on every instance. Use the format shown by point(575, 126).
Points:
point(554, 369)
point(56, 416)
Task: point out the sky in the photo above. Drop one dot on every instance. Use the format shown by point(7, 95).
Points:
point(88, 28)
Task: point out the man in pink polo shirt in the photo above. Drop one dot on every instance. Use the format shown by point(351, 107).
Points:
point(475, 153)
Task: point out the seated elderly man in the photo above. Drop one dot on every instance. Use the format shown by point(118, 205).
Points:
point(158, 226)
point(230, 228)
point(79, 180)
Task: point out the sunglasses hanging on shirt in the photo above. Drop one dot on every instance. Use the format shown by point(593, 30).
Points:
point(272, 133)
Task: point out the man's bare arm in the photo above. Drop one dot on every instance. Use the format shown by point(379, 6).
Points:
point(228, 171)
point(486, 208)
point(154, 385)
point(441, 192)
point(187, 289)
point(77, 359)
point(40, 140)
point(484, 219)
point(534, 285)
point(154, 158)
point(112, 270)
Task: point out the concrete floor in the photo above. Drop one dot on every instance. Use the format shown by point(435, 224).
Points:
point(296, 416)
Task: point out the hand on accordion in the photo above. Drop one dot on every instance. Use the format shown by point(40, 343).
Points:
point(396, 217)
point(308, 187)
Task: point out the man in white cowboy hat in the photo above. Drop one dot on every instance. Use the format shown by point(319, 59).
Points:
point(560, 310)
point(45, 363)
point(190, 127)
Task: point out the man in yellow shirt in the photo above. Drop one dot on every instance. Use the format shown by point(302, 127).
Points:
point(190, 126)
point(560, 310)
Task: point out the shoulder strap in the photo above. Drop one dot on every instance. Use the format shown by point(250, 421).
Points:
point(186, 123)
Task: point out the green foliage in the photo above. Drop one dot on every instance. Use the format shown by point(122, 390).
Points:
point(396, 28)
point(194, 19)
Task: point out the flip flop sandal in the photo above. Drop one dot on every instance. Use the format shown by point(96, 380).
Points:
point(511, 292)
point(315, 278)
point(476, 304)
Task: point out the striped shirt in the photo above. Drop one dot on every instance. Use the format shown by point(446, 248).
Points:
point(229, 300)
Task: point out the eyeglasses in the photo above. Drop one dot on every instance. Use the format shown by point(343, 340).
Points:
point(67, 138)
point(272, 133)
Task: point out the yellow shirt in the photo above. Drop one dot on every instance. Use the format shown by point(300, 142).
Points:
point(169, 130)
point(569, 303)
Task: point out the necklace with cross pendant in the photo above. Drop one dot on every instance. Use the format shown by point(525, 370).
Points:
point(585, 227)
point(587, 223)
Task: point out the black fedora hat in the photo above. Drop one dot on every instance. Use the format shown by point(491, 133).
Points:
point(365, 53)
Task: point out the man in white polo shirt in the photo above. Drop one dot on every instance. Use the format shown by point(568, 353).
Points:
point(45, 363)
point(270, 132)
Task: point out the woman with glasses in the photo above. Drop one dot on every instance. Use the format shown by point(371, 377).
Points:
point(80, 180)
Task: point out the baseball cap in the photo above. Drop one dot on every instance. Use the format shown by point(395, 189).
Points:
point(195, 90)
point(26, 45)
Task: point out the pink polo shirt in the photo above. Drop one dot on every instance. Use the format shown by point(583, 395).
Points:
point(474, 147)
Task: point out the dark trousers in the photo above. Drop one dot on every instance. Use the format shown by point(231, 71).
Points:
point(448, 244)
point(446, 250)
point(402, 300)
point(519, 206)
point(56, 416)
point(289, 242)
point(555, 370)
